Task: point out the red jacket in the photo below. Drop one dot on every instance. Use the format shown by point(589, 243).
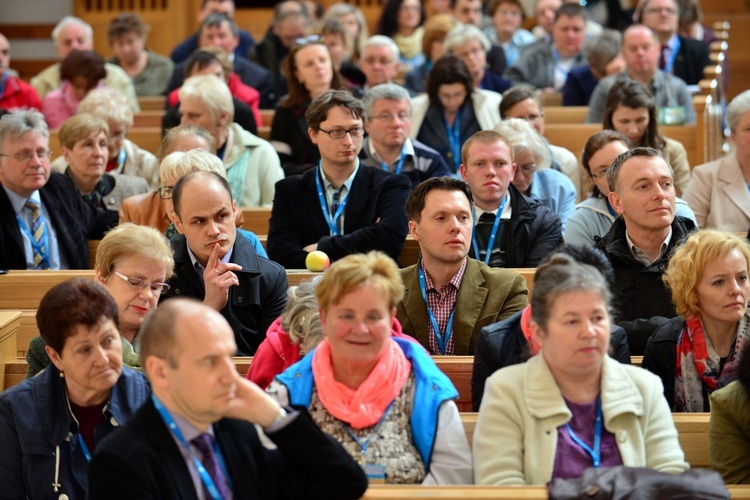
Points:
point(19, 95)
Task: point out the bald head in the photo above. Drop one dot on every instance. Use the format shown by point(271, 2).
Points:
point(640, 50)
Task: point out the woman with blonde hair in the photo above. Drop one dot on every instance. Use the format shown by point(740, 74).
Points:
point(354, 21)
point(698, 351)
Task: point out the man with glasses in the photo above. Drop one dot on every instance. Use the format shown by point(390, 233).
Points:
point(388, 146)
point(340, 207)
point(44, 222)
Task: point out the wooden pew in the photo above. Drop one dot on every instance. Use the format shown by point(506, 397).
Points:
point(264, 132)
point(256, 219)
point(151, 118)
point(152, 103)
point(565, 114)
point(10, 321)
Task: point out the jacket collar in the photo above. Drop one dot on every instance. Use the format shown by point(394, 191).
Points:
point(733, 183)
point(615, 242)
point(242, 252)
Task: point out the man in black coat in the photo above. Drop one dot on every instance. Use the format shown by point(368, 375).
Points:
point(197, 432)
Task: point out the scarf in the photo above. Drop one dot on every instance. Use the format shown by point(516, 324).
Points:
point(534, 346)
point(409, 46)
point(697, 365)
point(364, 406)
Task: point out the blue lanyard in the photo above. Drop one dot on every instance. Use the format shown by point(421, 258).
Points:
point(610, 209)
point(331, 221)
point(84, 448)
point(493, 234)
point(42, 249)
point(672, 56)
point(363, 442)
point(444, 338)
point(454, 138)
point(595, 454)
point(121, 161)
point(400, 163)
point(205, 477)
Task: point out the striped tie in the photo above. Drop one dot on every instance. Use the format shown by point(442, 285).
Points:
point(37, 231)
point(335, 203)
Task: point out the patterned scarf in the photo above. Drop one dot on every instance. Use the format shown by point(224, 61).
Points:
point(697, 364)
point(364, 406)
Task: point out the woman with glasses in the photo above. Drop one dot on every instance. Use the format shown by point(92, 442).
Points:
point(309, 72)
point(51, 425)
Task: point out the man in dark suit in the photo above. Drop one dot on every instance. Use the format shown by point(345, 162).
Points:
point(196, 438)
point(219, 267)
point(44, 222)
point(340, 207)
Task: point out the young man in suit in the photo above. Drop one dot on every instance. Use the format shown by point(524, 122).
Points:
point(196, 437)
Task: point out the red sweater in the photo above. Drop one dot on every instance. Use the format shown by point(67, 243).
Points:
point(19, 95)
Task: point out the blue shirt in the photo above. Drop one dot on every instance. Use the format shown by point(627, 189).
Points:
point(18, 202)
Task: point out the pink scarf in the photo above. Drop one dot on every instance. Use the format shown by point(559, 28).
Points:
point(364, 406)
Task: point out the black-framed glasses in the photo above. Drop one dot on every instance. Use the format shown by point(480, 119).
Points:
point(340, 133)
point(308, 40)
point(165, 192)
point(141, 284)
point(25, 156)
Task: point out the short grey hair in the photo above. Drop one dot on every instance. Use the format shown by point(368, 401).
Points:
point(382, 41)
point(390, 91)
point(522, 135)
point(738, 107)
point(603, 49)
point(614, 170)
point(108, 103)
point(180, 163)
point(463, 34)
point(212, 92)
point(15, 125)
point(216, 19)
point(300, 318)
point(68, 20)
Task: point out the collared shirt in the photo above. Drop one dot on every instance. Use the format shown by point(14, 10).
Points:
point(667, 50)
point(329, 189)
point(642, 256)
point(507, 210)
point(18, 202)
point(407, 148)
point(199, 267)
point(441, 303)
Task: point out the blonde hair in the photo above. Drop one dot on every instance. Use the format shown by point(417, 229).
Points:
point(355, 270)
point(131, 240)
point(79, 127)
point(109, 104)
point(170, 137)
point(180, 163)
point(212, 92)
point(300, 318)
point(688, 264)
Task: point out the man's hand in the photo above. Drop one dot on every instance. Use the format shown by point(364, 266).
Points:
point(252, 404)
point(311, 247)
point(218, 278)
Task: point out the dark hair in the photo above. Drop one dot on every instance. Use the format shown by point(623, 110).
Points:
point(591, 256)
point(632, 94)
point(388, 23)
point(517, 94)
point(447, 70)
point(205, 2)
point(614, 169)
point(297, 92)
point(201, 58)
point(126, 23)
point(78, 301)
point(416, 200)
point(492, 6)
point(571, 10)
point(215, 20)
point(593, 145)
point(281, 11)
point(206, 178)
point(317, 112)
point(83, 63)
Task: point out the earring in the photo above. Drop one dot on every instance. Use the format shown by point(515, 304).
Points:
point(62, 375)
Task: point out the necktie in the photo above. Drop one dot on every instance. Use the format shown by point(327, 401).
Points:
point(335, 202)
point(484, 229)
point(204, 443)
point(37, 231)
point(663, 57)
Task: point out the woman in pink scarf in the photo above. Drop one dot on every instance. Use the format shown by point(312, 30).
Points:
point(382, 398)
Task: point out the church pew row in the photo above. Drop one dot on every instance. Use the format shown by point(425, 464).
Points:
point(152, 103)
point(10, 321)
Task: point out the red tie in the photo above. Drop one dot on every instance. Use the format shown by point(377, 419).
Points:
point(663, 57)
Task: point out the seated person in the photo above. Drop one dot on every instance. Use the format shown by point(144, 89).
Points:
point(534, 177)
point(80, 72)
point(511, 229)
point(449, 297)
point(507, 28)
point(17, 95)
point(436, 28)
point(510, 341)
point(380, 61)
point(387, 145)
point(44, 222)
point(341, 207)
point(339, 41)
point(698, 352)
point(50, 425)
point(215, 265)
point(471, 12)
point(251, 163)
point(717, 190)
point(538, 419)
point(402, 20)
point(124, 156)
point(127, 34)
point(354, 20)
point(72, 34)
point(471, 46)
point(84, 142)
point(392, 409)
point(604, 59)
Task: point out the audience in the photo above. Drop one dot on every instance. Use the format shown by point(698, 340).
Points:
point(315, 211)
point(470, 12)
point(384, 400)
point(534, 416)
point(354, 21)
point(507, 28)
point(604, 58)
point(52, 424)
point(402, 21)
point(17, 95)
point(450, 297)
point(436, 28)
point(341, 46)
point(471, 46)
point(698, 352)
point(379, 61)
point(544, 15)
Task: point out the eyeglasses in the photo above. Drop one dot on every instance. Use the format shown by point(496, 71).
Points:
point(340, 133)
point(165, 192)
point(387, 117)
point(601, 174)
point(531, 118)
point(24, 156)
point(658, 10)
point(141, 284)
point(308, 40)
point(528, 168)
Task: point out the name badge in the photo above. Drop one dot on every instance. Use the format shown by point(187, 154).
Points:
point(671, 115)
point(375, 473)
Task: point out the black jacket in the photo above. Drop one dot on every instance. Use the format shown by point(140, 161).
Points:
point(252, 306)
point(661, 354)
point(691, 59)
point(503, 344)
point(270, 53)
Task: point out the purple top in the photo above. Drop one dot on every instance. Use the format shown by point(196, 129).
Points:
point(571, 459)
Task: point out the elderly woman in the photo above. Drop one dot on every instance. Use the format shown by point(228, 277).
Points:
point(80, 72)
point(593, 217)
point(604, 59)
point(571, 406)
point(402, 21)
point(452, 110)
point(85, 148)
point(698, 351)
point(150, 72)
point(50, 425)
point(383, 399)
point(471, 45)
point(507, 28)
point(717, 191)
point(124, 156)
point(436, 28)
point(534, 177)
point(631, 110)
